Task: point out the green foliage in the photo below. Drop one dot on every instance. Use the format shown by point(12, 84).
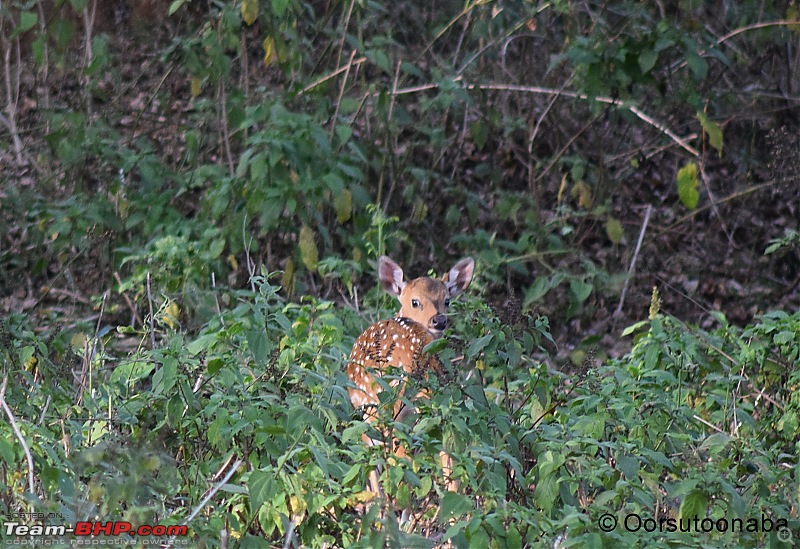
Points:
point(687, 185)
point(790, 239)
point(669, 430)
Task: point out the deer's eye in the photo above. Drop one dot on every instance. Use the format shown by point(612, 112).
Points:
point(446, 302)
point(415, 303)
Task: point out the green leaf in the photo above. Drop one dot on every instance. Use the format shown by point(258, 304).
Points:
point(478, 345)
point(634, 328)
point(435, 346)
point(697, 64)
point(479, 132)
point(687, 185)
point(647, 60)
point(279, 7)
point(713, 130)
point(175, 6)
point(629, 466)
point(513, 538)
point(580, 289)
point(262, 488)
point(693, 505)
point(614, 230)
point(7, 451)
point(479, 539)
point(27, 19)
point(165, 377)
point(716, 443)
point(403, 496)
point(454, 505)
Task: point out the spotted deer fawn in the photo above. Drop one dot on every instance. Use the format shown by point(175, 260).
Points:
point(399, 342)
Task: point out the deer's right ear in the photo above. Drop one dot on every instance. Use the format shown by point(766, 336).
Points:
point(390, 275)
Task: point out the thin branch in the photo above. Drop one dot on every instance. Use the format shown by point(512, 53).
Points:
point(551, 91)
point(733, 196)
point(211, 493)
point(392, 140)
point(755, 26)
point(632, 268)
point(331, 75)
point(151, 320)
point(11, 97)
point(341, 95)
point(12, 420)
point(344, 31)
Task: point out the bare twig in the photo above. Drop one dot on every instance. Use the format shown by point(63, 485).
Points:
point(560, 153)
point(152, 320)
point(251, 266)
point(344, 30)
point(226, 134)
point(713, 201)
point(12, 420)
point(127, 299)
point(341, 95)
point(45, 59)
point(290, 534)
point(12, 98)
point(333, 74)
point(211, 493)
point(738, 194)
point(532, 139)
point(632, 267)
point(467, 9)
point(88, 24)
point(551, 91)
point(392, 140)
point(755, 26)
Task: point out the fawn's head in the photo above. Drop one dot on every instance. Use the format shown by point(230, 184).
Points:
point(425, 300)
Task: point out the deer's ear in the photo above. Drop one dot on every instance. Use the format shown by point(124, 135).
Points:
point(460, 276)
point(390, 275)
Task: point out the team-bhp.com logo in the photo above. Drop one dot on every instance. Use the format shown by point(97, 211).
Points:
point(86, 528)
point(632, 522)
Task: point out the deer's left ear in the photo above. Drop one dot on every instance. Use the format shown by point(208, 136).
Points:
point(459, 277)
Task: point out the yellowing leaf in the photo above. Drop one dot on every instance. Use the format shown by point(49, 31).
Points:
point(31, 363)
point(308, 248)
point(196, 87)
point(249, 11)
point(614, 230)
point(420, 210)
point(171, 315)
point(583, 193)
point(269, 51)
point(78, 341)
point(655, 304)
point(713, 130)
point(287, 280)
point(343, 204)
point(687, 185)
point(561, 188)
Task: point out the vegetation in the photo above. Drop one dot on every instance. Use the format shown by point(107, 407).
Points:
point(192, 196)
